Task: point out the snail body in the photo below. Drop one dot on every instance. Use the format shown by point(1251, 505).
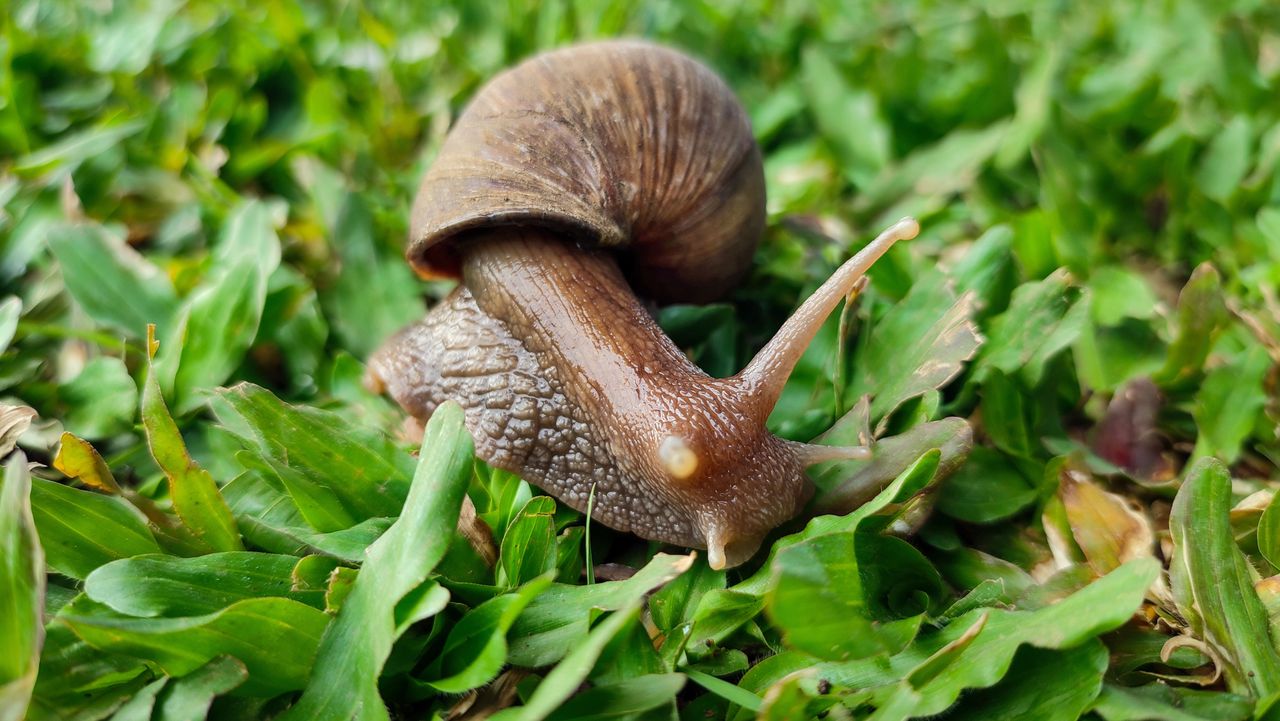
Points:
point(572, 183)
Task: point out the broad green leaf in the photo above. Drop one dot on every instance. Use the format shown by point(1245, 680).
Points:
point(1118, 294)
point(721, 612)
point(1213, 586)
point(988, 488)
point(1043, 318)
point(22, 586)
point(932, 172)
point(1034, 106)
point(190, 696)
point(1227, 405)
point(834, 597)
point(909, 482)
point(836, 107)
point(969, 568)
point(991, 592)
point(82, 530)
point(1101, 606)
point(312, 572)
point(1041, 684)
point(529, 545)
point(1269, 220)
point(356, 645)
point(563, 680)
point(123, 40)
point(620, 699)
point(1200, 317)
point(557, 620)
point(940, 660)
point(317, 504)
point(674, 603)
point(1108, 358)
point(1134, 647)
point(569, 554)
point(734, 694)
point(423, 602)
point(476, 648)
point(1269, 532)
point(844, 486)
point(919, 345)
point(987, 270)
point(10, 311)
point(89, 706)
point(498, 496)
point(168, 586)
point(364, 468)
point(269, 519)
point(632, 654)
point(143, 704)
point(898, 701)
point(195, 495)
point(1226, 160)
point(72, 150)
point(253, 631)
point(219, 320)
point(71, 670)
point(112, 282)
point(102, 399)
point(773, 672)
point(1159, 702)
point(375, 295)
point(1009, 415)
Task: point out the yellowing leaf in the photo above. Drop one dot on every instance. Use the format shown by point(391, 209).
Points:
point(1106, 526)
point(77, 459)
point(195, 495)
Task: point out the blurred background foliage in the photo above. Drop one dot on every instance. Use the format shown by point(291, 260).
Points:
point(1098, 183)
point(1126, 144)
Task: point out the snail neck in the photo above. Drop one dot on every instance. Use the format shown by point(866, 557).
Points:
point(662, 416)
point(574, 307)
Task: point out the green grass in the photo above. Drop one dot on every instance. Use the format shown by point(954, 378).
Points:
point(1073, 373)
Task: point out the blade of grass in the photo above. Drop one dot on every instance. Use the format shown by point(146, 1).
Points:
point(355, 646)
point(195, 495)
point(1212, 584)
point(21, 592)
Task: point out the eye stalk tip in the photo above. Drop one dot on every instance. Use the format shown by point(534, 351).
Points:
point(905, 229)
point(767, 373)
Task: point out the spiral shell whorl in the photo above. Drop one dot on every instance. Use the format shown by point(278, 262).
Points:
point(620, 144)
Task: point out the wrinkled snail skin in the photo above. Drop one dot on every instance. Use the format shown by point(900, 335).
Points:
point(554, 219)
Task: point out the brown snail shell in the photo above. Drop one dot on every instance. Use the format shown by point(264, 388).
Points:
point(625, 145)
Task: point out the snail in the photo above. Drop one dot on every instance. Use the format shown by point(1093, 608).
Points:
point(573, 185)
